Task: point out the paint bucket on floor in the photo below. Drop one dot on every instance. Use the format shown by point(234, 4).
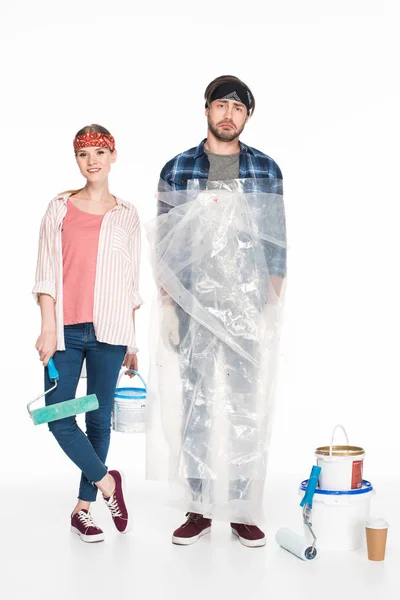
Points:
point(338, 517)
point(129, 407)
point(342, 466)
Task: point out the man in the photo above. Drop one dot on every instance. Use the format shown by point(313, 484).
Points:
point(211, 262)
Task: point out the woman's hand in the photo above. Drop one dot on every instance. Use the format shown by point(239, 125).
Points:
point(130, 362)
point(46, 345)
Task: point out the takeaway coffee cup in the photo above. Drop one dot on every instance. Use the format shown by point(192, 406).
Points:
point(376, 532)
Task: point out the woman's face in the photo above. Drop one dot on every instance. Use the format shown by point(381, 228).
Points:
point(95, 163)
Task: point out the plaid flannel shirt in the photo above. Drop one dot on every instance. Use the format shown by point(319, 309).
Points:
point(253, 164)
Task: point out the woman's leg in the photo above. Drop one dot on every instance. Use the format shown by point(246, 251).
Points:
point(66, 431)
point(103, 364)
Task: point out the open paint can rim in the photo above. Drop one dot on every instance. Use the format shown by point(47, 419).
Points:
point(345, 451)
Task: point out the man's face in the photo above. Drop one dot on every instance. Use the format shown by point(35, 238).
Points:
point(226, 119)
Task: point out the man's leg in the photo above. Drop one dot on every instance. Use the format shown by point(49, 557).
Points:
point(194, 431)
point(244, 453)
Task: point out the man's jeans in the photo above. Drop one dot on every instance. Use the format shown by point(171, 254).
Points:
point(103, 363)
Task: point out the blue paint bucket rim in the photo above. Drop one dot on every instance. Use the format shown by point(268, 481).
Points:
point(366, 487)
point(136, 393)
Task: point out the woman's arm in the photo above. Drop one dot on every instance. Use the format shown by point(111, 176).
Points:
point(46, 343)
point(44, 290)
point(45, 282)
point(131, 361)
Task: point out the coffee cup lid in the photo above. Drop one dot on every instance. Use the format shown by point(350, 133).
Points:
point(376, 523)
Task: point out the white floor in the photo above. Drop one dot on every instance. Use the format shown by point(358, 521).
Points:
point(41, 559)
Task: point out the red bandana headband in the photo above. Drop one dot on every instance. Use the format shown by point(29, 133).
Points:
point(94, 139)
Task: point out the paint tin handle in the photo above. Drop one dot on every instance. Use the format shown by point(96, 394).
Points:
point(333, 435)
point(136, 373)
point(140, 377)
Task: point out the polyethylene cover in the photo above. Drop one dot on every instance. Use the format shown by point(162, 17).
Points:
point(219, 262)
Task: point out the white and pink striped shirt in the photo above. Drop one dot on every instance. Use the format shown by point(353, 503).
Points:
point(117, 273)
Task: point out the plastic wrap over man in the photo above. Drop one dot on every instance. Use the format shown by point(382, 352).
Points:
point(219, 262)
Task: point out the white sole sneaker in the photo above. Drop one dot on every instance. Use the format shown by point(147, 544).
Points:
point(128, 523)
point(250, 543)
point(187, 541)
point(88, 538)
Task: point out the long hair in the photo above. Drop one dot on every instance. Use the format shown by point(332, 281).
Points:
point(210, 89)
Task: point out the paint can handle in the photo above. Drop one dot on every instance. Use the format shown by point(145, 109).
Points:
point(132, 371)
point(333, 435)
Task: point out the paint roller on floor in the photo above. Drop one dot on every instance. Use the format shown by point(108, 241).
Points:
point(60, 410)
point(294, 542)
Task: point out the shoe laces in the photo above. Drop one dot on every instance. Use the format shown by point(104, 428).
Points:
point(193, 517)
point(86, 519)
point(112, 504)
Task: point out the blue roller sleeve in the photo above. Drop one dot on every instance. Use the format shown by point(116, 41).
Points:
point(311, 487)
point(53, 373)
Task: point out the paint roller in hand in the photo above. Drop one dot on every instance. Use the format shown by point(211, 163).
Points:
point(60, 410)
point(294, 542)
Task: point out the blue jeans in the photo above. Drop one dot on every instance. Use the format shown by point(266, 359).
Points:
point(103, 363)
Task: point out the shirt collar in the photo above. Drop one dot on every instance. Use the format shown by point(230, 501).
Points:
point(200, 150)
point(64, 198)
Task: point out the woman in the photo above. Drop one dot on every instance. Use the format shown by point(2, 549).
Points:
point(87, 288)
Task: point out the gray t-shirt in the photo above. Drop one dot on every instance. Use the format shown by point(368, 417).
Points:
point(223, 166)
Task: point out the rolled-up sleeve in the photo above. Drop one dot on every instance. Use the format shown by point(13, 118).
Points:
point(275, 253)
point(276, 259)
point(135, 252)
point(45, 282)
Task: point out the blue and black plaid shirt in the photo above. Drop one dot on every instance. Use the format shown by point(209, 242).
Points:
point(194, 164)
point(253, 164)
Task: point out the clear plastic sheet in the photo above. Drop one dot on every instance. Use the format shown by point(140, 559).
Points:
point(219, 262)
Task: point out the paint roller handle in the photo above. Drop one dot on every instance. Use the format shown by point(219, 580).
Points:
point(52, 371)
point(311, 486)
point(53, 376)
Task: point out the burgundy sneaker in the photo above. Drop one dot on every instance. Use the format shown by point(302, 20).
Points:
point(82, 523)
point(116, 503)
point(191, 531)
point(249, 535)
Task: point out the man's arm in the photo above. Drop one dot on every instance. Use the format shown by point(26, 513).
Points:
point(277, 283)
point(164, 185)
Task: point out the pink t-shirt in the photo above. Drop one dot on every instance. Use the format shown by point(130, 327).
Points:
point(80, 242)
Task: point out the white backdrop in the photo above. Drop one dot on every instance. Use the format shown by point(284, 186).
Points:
point(325, 78)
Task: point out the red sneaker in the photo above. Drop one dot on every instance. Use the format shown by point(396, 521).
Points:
point(249, 535)
point(191, 531)
point(82, 524)
point(116, 504)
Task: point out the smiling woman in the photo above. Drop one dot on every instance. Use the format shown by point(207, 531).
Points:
point(87, 288)
point(90, 135)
